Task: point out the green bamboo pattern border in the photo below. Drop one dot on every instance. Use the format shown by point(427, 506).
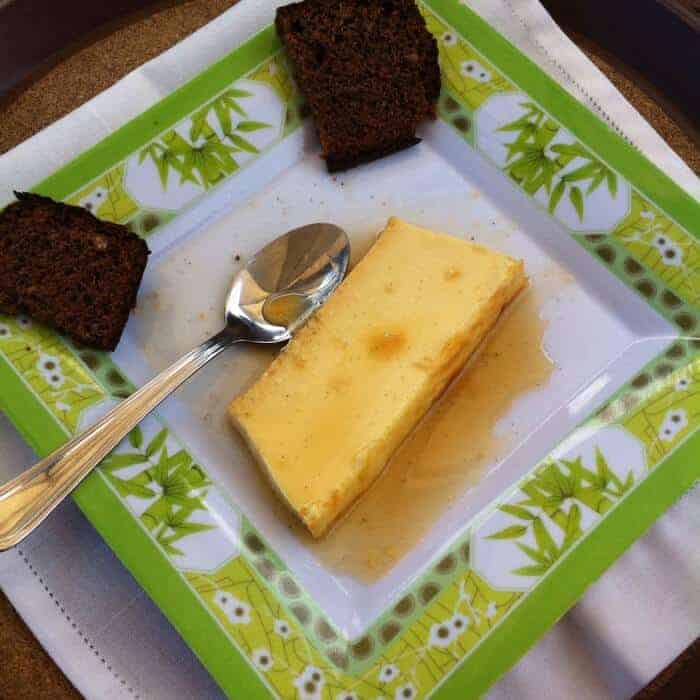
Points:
point(634, 253)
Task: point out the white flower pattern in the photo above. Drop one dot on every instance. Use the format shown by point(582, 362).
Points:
point(282, 629)
point(262, 658)
point(459, 624)
point(309, 684)
point(48, 363)
point(405, 692)
point(670, 252)
point(674, 422)
point(473, 69)
point(55, 380)
point(388, 672)
point(49, 367)
point(682, 384)
point(449, 38)
point(442, 635)
point(237, 611)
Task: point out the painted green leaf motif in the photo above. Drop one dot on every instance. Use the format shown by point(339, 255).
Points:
point(607, 479)
point(535, 570)
point(560, 488)
point(149, 520)
point(582, 474)
point(602, 469)
point(157, 154)
point(553, 483)
point(518, 511)
point(177, 518)
point(518, 147)
point(547, 131)
point(180, 461)
point(197, 477)
point(156, 514)
point(119, 461)
point(594, 498)
point(248, 126)
point(242, 143)
point(173, 525)
point(136, 437)
point(522, 126)
point(205, 164)
point(566, 483)
point(160, 473)
point(573, 525)
point(169, 548)
point(629, 482)
point(585, 172)
point(569, 149)
point(177, 496)
point(595, 182)
point(237, 92)
point(226, 103)
point(556, 196)
point(541, 177)
point(199, 125)
point(130, 488)
point(176, 144)
point(174, 486)
point(163, 166)
point(534, 162)
point(223, 115)
point(221, 153)
point(509, 533)
point(186, 528)
point(187, 171)
point(533, 553)
point(544, 539)
point(576, 198)
point(157, 442)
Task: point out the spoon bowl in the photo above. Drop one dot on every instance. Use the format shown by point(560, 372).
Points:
point(286, 281)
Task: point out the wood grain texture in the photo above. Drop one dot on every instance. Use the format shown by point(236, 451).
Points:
point(68, 84)
point(659, 39)
point(671, 124)
point(25, 669)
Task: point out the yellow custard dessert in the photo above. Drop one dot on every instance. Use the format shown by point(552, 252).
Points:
point(332, 408)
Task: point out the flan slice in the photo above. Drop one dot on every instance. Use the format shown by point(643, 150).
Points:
point(327, 415)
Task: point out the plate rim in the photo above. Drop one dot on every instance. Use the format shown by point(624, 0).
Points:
point(658, 490)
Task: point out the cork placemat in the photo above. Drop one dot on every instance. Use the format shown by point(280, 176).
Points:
point(26, 670)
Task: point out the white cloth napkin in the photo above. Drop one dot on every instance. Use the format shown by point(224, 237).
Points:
point(111, 640)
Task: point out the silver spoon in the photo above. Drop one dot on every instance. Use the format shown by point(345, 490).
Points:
point(268, 301)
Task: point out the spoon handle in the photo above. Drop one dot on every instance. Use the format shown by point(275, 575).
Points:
point(27, 500)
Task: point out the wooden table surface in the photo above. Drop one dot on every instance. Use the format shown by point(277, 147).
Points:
point(25, 669)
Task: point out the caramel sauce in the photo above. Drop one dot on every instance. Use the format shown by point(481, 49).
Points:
point(285, 309)
point(387, 344)
point(452, 273)
point(447, 453)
